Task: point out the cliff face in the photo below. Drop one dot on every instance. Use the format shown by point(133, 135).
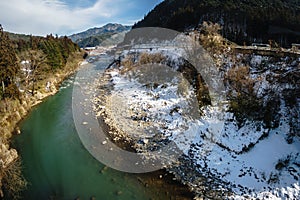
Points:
point(243, 21)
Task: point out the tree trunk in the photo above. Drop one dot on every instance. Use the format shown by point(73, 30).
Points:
point(32, 91)
point(3, 89)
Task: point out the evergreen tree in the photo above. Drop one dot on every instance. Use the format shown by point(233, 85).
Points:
point(9, 67)
point(243, 21)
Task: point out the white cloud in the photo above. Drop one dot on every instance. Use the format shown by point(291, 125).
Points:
point(41, 17)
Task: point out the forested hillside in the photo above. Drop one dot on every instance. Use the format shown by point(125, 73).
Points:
point(243, 21)
point(30, 69)
point(95, 36)
point(42, 56)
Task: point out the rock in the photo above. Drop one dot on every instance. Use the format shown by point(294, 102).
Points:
point(17, 116)
point(7, 156)
point(113, 180)
point(145, 141)
point(18, 131)
point(104, 169)
point(39, 95)
point(23, 111)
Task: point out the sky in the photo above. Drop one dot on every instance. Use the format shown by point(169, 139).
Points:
point(65, 17)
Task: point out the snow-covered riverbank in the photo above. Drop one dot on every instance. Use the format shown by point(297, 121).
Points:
point(249, 160)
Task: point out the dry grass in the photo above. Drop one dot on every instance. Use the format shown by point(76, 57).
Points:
point(210, 38)
point(128, 64)
point(13, 180)
point(145, 58)
point(240, 80)
point(243, 100)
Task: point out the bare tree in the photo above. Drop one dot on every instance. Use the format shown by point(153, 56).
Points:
point(35, 59)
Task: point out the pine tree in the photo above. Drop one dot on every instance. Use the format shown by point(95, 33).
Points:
point(9, 67)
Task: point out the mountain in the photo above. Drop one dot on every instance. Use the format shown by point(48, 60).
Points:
point(243, 21)
point(94, 36)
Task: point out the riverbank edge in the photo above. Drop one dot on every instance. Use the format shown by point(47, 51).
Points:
point(17, 110)
point(163, 179)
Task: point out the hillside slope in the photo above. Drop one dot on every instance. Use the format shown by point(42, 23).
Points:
point(95, 36)
point(225, 156)
point(243, 21)
point(31, 69)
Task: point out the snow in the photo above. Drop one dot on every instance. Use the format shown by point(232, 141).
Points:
point(236, 138)
point(250, 172)
point(24, 62)
point(252, 169)
point(162, 108)
point(256, 60)
point(83, 63)
point(245, 157)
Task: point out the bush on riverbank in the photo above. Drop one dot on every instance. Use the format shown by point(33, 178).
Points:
point(13, 180)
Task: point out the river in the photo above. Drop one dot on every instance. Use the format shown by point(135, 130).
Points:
point(57, 166)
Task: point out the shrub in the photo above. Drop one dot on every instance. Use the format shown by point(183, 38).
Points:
point(282, 163)
point(13, 181)
point(146, 58)
point(127, 64)
point(210, 37)
point(243, 100)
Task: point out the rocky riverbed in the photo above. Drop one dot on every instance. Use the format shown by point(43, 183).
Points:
point(229, 156)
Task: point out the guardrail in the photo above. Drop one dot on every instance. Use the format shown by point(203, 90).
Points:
point(267, 51)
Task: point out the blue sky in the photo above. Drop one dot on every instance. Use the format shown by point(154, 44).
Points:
point(64, 17)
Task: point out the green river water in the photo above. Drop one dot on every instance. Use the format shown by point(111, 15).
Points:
point(56, 164)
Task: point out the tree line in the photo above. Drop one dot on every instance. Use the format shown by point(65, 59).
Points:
point(242, 21)
point(43, 55)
